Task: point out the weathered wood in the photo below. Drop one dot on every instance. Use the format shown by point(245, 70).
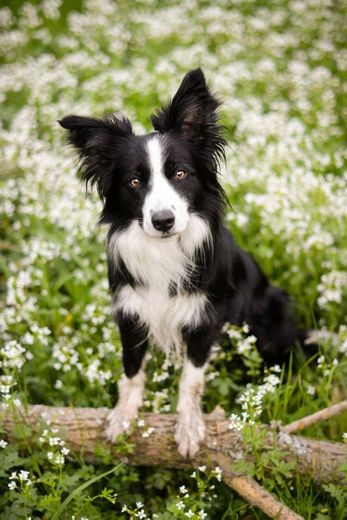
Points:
point(83, 431)
point(321, 415)
point(257, 496)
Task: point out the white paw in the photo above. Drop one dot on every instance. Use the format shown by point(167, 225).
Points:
point(118, 421)
point(190, 431)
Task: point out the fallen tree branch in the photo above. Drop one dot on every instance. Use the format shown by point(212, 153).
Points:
point(322, 415)
point(257, 496)
point(83, 431)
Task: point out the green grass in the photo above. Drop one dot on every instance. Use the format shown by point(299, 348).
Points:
point(278, 66)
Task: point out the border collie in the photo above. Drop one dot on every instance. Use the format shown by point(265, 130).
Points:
point(175, 273)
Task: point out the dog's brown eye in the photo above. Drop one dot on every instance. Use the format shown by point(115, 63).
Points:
point(134, 182)
point(180, 174)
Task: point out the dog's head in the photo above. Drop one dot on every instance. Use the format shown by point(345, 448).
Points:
point(162, 178)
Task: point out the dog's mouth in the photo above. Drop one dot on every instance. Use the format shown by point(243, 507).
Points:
point(159, 235)
point(165, 235)
point(168, 234)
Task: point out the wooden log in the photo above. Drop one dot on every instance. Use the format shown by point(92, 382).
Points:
point(83, 431)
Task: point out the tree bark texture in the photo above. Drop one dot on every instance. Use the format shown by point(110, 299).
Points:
point(83, 431)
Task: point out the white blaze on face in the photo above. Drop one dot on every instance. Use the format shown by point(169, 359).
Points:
point(162, 195)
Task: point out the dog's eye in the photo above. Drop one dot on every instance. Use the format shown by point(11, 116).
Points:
point(180, 174)
point(134, 182)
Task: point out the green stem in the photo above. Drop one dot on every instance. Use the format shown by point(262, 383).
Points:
point(57, 514)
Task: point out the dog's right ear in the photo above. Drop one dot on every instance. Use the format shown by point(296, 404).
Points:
point(192, 114)
point(98, 142)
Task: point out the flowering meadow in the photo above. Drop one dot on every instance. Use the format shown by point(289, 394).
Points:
point(279, 67)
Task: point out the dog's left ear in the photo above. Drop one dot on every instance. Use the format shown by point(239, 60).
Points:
point(193, 113)
point(98, 142)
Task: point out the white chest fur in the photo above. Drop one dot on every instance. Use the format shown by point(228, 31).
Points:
point(157, 264)
point(164, 316)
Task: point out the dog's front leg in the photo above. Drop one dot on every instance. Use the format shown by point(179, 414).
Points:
point(131, 385)
point(190, 430)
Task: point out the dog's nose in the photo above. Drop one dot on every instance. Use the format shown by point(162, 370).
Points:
point(163, 220)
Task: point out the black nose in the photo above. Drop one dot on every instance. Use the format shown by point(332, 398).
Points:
point(163, 220)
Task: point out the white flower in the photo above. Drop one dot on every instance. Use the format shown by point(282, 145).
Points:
point(23, 475)
point(12, 485)
point(235, 423)
point(218, 473)
point(3, 443)
point(320, 360)
point(310, 390)
point(53, 441)
point(59, 459)
point(245, 328)
point(180, 505)
point(148, 432)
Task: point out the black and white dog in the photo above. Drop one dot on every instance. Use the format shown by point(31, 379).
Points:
point(175, 273)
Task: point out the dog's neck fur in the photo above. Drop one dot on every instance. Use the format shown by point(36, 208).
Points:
point(161, 269)
point(159, 263)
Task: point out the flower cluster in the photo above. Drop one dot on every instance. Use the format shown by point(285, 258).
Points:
point(7, 394)
point(245, 342)
point(184, 506)
point(12, 355)
point(20, 481)
point(252, 400)
point(137, 511)
point(56, 446)
point(147, 431)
